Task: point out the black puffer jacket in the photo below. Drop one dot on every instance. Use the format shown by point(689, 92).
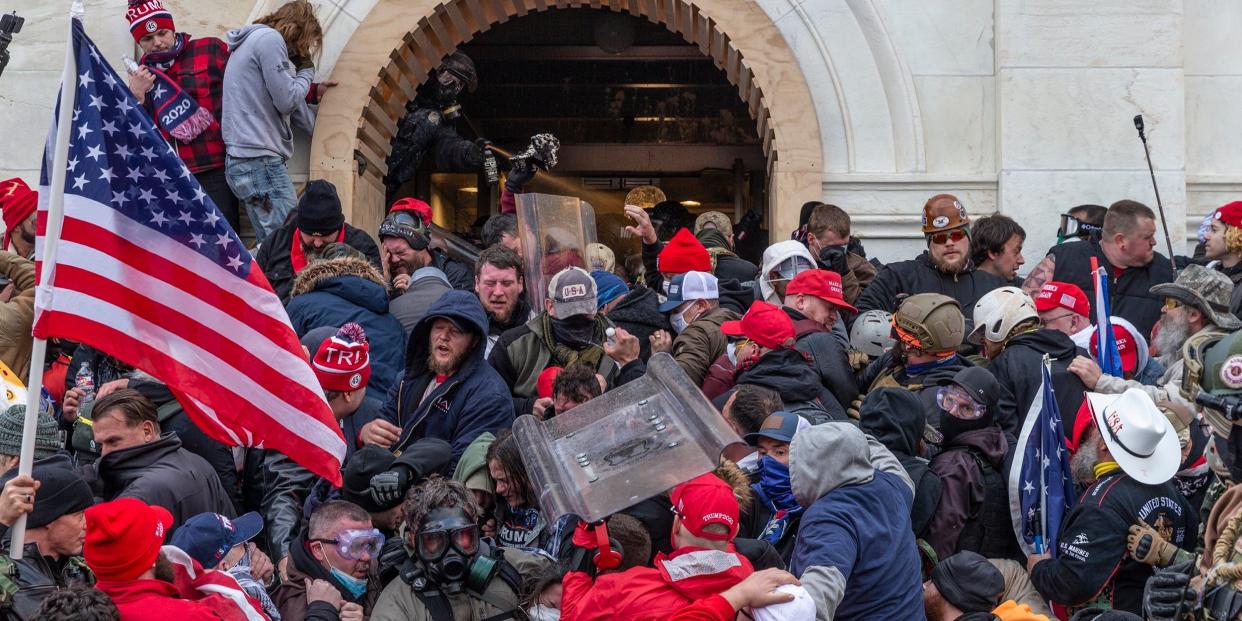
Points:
point(920, 276)
point(639, 314)
point(1129, 294)
point(1018, 369)
point(894, 416)
point(792, 376)
point(277, 264)
point(162, 473)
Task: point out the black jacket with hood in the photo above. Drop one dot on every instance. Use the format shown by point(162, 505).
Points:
point(639, 314)
point(887, 371)
point(793, 377)
point(827, 355)
point(1018, 370)
point(277, 264)
point(473, 400)
point(919, 275)
point(894, 416)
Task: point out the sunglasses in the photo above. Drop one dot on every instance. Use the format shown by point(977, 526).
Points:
point(353, 544)
point(955, 235)
point(434, 544)
point(1172, 304)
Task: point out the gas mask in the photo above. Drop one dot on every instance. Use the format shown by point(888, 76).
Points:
point(448, 87)
point(447, 544)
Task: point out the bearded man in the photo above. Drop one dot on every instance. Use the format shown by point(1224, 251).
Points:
point(1196, 306)
point(499, 283)
point(448, 391)
point(945, 268)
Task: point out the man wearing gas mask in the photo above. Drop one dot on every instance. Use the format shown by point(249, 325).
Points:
point(429, 125)
point(1192, 586)
point(452, 573)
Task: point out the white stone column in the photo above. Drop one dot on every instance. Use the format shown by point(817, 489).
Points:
point(1070, 77)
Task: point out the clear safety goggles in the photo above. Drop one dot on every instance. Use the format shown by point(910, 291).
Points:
point(958, 403)
point(354, 543)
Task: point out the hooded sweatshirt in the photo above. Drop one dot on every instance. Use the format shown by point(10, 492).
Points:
point(856, 552)
point(263, 93)
point(772, 258)
point(894, 416)
point(1019, 370)
point(789, 373)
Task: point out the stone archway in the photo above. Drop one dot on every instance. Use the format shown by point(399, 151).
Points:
point(357, 119)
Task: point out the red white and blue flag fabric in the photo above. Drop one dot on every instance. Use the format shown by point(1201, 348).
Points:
point(1041, 490)
point(1108, 357)
point(147, 270)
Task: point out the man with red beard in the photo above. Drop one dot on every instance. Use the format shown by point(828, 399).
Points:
point(500, 286)
point(448, 391)
point(945, 268)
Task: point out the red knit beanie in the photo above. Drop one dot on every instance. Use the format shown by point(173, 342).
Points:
point(17, 202)
point(343, 361)
point(146, 17)
point(123, 538)
point(684, 253)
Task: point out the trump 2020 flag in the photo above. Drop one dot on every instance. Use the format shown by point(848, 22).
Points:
point(147, 270)
point(1109, 358)
point(1041, 491)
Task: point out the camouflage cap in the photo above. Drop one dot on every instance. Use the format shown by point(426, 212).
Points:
point(1206, 290)
point(716, 220)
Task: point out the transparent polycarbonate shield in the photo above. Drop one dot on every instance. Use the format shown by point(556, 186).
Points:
point(554, 232)
point(624, 446)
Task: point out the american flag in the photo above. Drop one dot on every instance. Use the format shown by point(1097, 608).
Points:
point(147, 270)
point(1041, 490)
point(1107, 355)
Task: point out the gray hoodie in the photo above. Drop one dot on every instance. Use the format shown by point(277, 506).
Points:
point(262, 94)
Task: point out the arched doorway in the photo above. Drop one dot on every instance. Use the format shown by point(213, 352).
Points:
point(356, 123)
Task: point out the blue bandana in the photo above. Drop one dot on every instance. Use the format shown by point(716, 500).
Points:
point(775, 492)
point(923, 367)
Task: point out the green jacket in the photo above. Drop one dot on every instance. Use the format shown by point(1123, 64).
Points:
point(399, 602)
point(520, 356)
point(702, 342)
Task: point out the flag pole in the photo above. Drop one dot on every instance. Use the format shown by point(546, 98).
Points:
point(51, 238)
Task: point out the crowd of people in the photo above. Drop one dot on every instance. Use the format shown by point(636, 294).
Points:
point(878, 408)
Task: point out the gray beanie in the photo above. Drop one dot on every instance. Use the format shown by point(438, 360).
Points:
point(47, 433)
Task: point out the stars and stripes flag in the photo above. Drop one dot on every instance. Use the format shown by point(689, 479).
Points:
point(1041, 490)
point(146, 269)
point(1108, 357)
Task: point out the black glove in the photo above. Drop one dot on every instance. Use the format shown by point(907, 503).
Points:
point(1167, 590)
point(388, 488)
point(302, 62)
point(833, 258)
point(520, 175)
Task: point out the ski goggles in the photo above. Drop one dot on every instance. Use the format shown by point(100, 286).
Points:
point(357, 543)
point(945, 237)
point(432, 545)
point(958, 404)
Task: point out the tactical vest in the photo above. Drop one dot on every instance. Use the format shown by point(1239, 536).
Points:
point(990, 531)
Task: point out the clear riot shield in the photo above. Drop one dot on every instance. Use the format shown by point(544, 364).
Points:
point(623, 446)
point(554, 232)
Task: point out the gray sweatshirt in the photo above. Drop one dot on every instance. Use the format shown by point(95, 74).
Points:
point(262, 94)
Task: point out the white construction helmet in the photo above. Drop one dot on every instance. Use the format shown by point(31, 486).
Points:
point(872, 333)
point(999, 311)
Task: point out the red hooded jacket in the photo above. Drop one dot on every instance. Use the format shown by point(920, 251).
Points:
point(653, 593)
point(156, 600)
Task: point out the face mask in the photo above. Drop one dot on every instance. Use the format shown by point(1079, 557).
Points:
point(357, 587)
point(544, 613)
point(679, 320)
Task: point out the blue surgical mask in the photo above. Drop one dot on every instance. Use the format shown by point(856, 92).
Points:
point(357, 587)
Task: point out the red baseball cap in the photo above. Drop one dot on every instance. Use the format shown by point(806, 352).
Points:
point(706, 500)
point(1127, 346)
point(415, 206)
point(1065, 295)
point(123, 538)
point(822, 284)
point(1230, 213)
point(765, 324)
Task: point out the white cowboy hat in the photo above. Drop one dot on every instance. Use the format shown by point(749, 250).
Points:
point(1137, 434)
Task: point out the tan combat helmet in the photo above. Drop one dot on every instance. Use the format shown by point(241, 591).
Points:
point(931, 322)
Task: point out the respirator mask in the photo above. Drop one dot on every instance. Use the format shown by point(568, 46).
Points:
point(447, 544)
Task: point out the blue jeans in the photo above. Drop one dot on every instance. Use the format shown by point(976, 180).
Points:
point(263, 186)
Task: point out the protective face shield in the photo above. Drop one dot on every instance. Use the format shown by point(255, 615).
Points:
point(1073, 227)
point(446, 544)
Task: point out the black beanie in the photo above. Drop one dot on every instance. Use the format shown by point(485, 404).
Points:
point(319, 209)
point(365, 463)
point(969, 582)
point(61, 492)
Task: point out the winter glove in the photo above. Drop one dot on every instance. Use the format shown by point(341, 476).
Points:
point(857, 360)
point(852, 411)
point(1225, 602)
point(388, 488)
point(832, 258)
point(301, 62)
point(520, 175)
point(1167, 591)
point(1146, 546)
